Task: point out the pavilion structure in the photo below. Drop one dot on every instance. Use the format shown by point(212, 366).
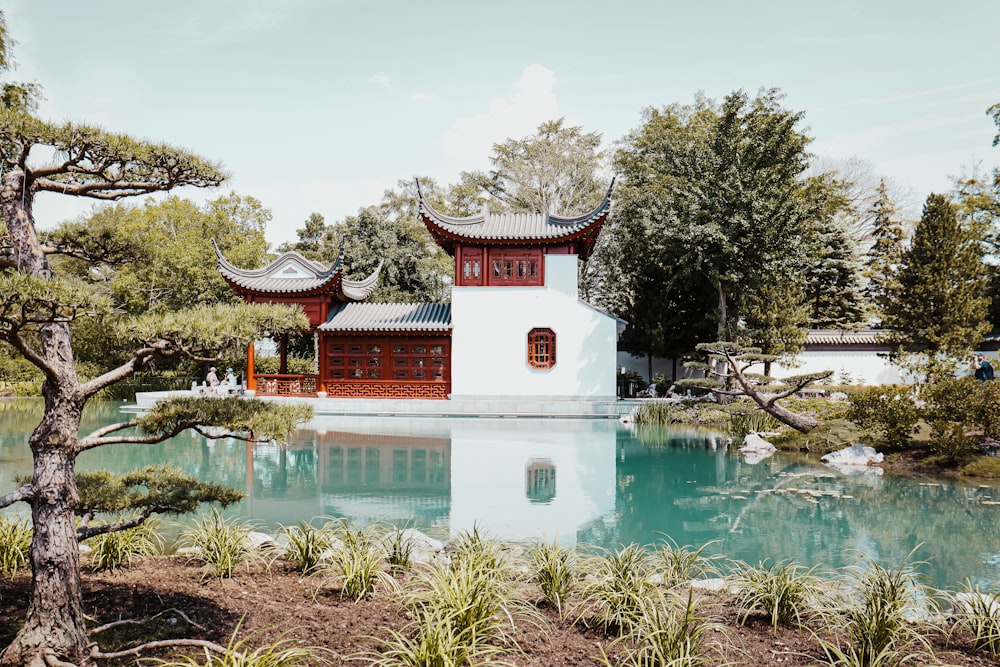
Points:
point(515, 326)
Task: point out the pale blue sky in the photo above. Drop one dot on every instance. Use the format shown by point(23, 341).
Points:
point(320, 105)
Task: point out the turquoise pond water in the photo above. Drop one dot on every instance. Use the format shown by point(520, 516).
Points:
point(583, 482)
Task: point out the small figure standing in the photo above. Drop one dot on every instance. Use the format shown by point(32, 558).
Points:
point(230, 377)
point(212, 380)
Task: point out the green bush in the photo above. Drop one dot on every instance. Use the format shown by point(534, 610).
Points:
point(888, 412)
point(958, 410)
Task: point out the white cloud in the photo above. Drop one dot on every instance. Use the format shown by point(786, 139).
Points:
point(421, 97)
point(382, 80)
point(516, 115)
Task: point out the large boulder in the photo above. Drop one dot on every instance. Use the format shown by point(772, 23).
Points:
point(755, 448)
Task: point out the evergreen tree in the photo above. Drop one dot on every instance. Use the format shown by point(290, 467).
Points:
point(936, 306)
point(832, 274)
point(773, 316)
point(886, 251)
point(311, 238)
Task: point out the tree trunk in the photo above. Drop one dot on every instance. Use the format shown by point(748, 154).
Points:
point(801, 423)
point(54, 623)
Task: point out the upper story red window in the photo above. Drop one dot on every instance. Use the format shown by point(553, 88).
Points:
point(515, 267)
point(541, 348)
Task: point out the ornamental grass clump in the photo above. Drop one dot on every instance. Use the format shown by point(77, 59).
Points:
point(669, 632)
point(679, 564)
point(399, 546)
point(787, 592)
point(15, 544)
point(480, 603)
point(880, 619)
point(357, 563)
point(115, 550)
point(306, 544)
point(435, 638)
point(222, 544)
point(554, 569)
point(978, 614)
point(619, 581)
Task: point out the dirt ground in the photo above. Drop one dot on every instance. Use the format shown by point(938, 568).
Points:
point(266, 605)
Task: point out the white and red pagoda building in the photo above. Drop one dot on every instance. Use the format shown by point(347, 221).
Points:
point(515, 326)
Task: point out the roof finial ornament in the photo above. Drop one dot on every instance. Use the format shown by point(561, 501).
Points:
point(420, 194)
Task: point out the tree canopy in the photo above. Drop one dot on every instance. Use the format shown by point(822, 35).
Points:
point(553, 171)
point(716, 194)
point(936, 305)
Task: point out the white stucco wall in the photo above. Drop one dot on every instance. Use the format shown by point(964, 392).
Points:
point(490, 331)
point(867, 368)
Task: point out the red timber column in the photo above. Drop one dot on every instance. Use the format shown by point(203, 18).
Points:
point(283, 366)
point(251, 375)
point(321, 365)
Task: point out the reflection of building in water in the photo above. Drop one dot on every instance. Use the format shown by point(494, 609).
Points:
point(358, 461)
point(377, 477)
point(540, 480)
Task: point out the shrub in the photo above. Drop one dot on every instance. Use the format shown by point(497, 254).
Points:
point(15, 544)
point(889, 412)
point(271, 365)
point(282, 652)
point(743, 421)
point(956, 409)
point(978, 613)
point(656, 412)
point(115, 550)
point(398, 546)
point(877, 618)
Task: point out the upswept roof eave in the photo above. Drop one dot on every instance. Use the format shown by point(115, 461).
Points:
point(549, 229)
point(359, 290)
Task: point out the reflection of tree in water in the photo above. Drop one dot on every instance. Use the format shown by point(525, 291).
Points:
point(788, 507)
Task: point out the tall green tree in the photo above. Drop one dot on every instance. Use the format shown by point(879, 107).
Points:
point(884, 256)
point(717, 191)
point(159, 255)
point(935, 310)
point(38, 309)
point(312, 238)
point(977, 198)
point(554, 171)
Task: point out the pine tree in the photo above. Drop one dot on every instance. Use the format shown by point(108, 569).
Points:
point(883, 258)
point(832, 290)
point(937, 303)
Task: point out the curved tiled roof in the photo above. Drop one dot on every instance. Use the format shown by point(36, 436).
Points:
point(291, 273)
point(843, 337)
point(513, 227)
point(389, 317)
